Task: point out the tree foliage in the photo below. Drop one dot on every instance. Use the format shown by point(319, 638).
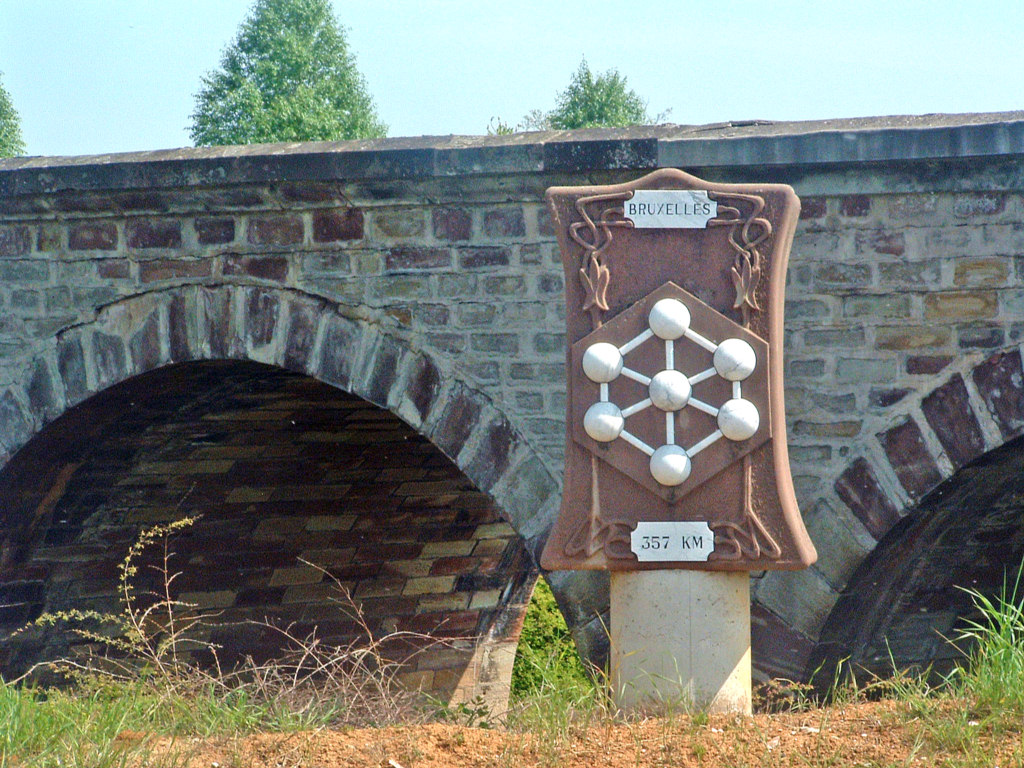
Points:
point(11, 142)
point(590, 101)
point(287, 76)
point(597, 101)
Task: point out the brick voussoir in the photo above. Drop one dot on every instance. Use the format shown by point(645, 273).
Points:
point(949, 413)
point(908, 455)
point(1000, 382)
point(859, 489)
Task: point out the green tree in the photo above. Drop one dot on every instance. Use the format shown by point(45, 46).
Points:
point(288, 76)
point(11, 142)
point(591, 102)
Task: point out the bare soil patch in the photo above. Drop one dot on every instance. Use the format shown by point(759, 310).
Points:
point(857, 734)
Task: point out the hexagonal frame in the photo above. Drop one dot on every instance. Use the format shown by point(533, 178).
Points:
point(690, 358)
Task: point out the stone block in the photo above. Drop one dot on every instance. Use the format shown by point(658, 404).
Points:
point(302, 574)
point(452, 224)
point(158, 270)
point(279, 230)
point(872, 306)
point(980, 337)
point(830, 338)
point(332, 226)
point(927, 364)
point(113, 269)
point(852, 370)
point(109, 359)
point(778, 651)
point(961, 305)
point(145, 345)
point(71, 367)
point(807, 309)
point(424, 585)
point(214, 230)
point(24, 272)
point(398, 223)
point(339, 352)
point(93, 236)
point(273, 268)
point(860, 491)
point(981, 271)
point(505, 222)
point(483, 257)
point(949, 413)
point(498, 443)
point(500, 343)
point(827, 429)
point(15, 424)
point(422, 387)
point(42, 395)
point(880, 241)
point(383, 371)
point(417, 257)
point(839, 275)
point(855, 206)
point(15, 240)
point(910, 337)
point(812, 208)
point(911, 274)
point(153, 233)
point(303, 321)
point(50, 238)
point(910, 459)
point(511, 285)
point(261, 309)
point(914, 207)
point(1000, 382)
point(974, 204)
point(886, 397)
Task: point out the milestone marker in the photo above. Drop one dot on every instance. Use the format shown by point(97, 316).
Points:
point(676, 456)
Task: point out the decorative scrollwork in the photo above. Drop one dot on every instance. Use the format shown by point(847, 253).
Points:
point(752, 230)
point(594, 235)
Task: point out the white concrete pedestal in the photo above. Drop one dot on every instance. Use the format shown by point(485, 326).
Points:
point(681, 637)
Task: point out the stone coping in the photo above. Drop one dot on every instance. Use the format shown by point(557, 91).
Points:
point(740, 145)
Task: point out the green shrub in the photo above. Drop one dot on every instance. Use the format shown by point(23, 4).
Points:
point(546, 653)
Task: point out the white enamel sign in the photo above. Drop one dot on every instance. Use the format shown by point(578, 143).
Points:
point(672, 542)
point(670, 209)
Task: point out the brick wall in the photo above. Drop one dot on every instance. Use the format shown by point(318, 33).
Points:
point(311, 503)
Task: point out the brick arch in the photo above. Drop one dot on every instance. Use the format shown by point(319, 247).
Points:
point(301, 333)
point(941, 465)
point(150, 333)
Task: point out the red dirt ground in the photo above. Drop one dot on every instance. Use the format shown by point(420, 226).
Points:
point(860, 734)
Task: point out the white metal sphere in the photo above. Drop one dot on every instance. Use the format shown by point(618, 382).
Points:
point(670, 465)
point(602, 362)
point(735, 359)
point(669, 390)
point(738, 419)
point(603, 422)
point(669, 319)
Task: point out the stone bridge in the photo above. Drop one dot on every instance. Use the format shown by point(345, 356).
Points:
point(347, 360)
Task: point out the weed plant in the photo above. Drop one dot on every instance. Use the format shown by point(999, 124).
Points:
point(138, 678)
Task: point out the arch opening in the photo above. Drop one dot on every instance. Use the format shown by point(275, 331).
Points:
point(302, 492)
point(906, 603)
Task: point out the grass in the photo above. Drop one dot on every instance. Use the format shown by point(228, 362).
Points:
point(121, 701)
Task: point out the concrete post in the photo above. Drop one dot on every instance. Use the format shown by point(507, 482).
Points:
point(681, 637)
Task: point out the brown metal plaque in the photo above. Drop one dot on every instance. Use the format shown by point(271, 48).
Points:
point(675, 420)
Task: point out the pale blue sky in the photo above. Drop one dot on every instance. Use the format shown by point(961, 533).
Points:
point(92, 76)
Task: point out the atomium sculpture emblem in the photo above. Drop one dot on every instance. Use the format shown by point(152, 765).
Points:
point(671, 390)
point(674, 392)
